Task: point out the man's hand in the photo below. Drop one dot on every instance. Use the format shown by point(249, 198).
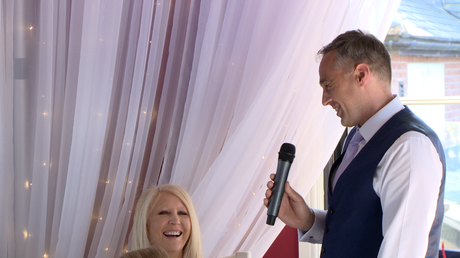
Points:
point(294, 212)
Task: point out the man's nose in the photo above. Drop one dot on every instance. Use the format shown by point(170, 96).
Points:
point(326, 99)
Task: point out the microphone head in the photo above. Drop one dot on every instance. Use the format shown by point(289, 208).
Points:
point(287, 152)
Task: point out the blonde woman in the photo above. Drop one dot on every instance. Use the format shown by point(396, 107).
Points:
point(165, 217)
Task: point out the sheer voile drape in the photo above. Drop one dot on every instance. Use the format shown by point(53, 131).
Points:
point(102, 98)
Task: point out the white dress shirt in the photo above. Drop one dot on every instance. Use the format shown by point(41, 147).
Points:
point(407, 180)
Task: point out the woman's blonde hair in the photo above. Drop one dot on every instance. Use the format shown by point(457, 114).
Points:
point(149, 252)
point(145, 205)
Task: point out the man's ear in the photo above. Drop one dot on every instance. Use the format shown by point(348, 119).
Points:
point(362, 73)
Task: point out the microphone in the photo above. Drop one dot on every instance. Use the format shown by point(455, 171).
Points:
point(285, 158)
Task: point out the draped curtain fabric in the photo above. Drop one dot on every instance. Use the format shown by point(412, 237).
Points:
point(101, 99)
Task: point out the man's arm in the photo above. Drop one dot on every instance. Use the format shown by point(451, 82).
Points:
point(316, 232)
point(408, 181)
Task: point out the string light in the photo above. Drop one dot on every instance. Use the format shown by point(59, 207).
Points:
point(44, 163)
point(263, 157)
point(254, 193)
point(31, 28)
point(45, 255)
point(107, 181)
point(45, 113)
point(25, 234)
point(100, 218)
point(27, 184)
point(145, 112)
point(129, 182)
point(127, 143)
point(107, 249)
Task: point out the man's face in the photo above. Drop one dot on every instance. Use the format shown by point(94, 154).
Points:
point(340, 91)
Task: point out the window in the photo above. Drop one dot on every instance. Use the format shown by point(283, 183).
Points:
point(424, 43)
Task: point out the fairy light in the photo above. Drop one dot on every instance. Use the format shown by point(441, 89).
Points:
point(27, 184)
point(145, 112)
point(45, 113)
point(44, 163)
point(253, 193)
point(31, 27)
point(127, 143)
point(45, 255)
point(25, 234)
point(129, 182)
point(263, 157)
point(107, 249)
point(107, 181)
point(100, 218)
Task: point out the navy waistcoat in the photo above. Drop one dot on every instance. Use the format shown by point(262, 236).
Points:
point(354, 218)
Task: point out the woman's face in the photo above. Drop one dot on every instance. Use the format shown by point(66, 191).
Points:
point(169, 224)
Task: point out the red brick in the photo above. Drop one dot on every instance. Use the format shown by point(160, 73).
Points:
point(452, 65)
point(451, 79)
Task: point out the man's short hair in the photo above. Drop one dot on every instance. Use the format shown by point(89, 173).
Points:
point(354, 47)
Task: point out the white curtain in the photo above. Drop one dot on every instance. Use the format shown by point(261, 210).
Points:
point(100, 99)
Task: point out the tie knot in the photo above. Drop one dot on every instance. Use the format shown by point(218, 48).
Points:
point(357, 137)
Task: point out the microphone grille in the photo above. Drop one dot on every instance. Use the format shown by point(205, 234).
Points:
point(287, 152)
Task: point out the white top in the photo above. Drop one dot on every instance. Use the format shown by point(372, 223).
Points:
point(407, 180)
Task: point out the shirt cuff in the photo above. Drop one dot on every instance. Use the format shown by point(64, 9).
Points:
point(316, 232)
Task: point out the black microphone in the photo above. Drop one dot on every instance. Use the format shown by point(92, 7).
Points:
point(285, 158)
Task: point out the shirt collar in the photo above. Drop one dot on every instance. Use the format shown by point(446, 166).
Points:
point(373, 124)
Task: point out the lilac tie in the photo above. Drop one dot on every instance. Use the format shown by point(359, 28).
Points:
point(350, 153)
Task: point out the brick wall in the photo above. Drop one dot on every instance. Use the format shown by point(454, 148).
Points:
point(451, 77)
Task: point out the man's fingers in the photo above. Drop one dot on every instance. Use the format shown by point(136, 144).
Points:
point(272, 177)
point(266, 202)
point(268, 193)
point(270, 184)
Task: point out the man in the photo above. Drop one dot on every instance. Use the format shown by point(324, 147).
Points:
point(388, 201)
